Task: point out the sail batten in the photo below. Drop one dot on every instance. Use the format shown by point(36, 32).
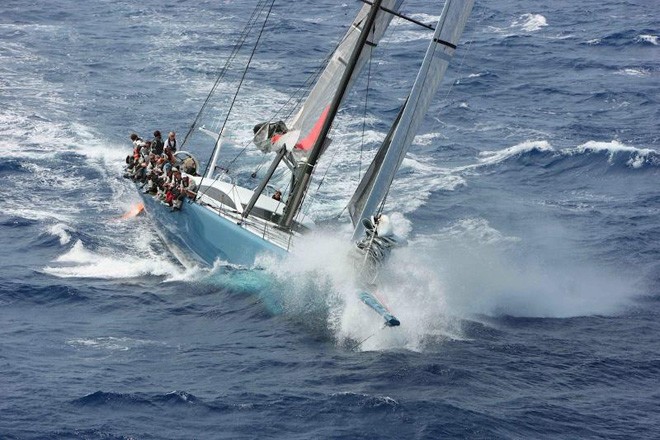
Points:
point(375, 184)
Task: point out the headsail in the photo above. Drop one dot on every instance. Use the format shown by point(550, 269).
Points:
point(375, 184)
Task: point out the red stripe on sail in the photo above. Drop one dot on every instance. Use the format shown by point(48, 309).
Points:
point(308, 142)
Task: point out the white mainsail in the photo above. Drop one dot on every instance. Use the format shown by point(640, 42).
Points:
point(311, 115)
point(375, 184)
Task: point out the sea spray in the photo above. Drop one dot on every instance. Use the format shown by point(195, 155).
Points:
point(318, 286)
point(486, 272)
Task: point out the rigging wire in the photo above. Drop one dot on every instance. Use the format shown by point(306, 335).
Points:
point(364, 122)
point(311, 79)
point(306, 86)
point(239, 44)
point(240, 83)
point(296, 97)
point(332, 158)
point(272, 2)
point(359, 343)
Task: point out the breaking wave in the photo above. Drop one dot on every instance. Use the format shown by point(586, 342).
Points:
point(524, 24)
point(529, 22)
point(615, 151)
point(650, 39)
point(626, 38)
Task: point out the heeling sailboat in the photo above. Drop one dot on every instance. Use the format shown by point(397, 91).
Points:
point(236, 224)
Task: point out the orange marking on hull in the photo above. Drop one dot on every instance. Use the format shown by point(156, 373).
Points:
point(134, 211)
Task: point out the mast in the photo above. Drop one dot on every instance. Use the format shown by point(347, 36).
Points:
point(304, 174)
point(216, 155)
point(375, 185)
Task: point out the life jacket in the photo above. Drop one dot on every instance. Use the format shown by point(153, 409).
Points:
point(157, 146)
point(171, 145)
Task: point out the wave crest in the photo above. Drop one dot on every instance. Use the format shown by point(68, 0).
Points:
point(530, 22)
point(637, 157)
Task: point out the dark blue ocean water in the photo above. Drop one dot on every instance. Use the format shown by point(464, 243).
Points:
point(529, 293)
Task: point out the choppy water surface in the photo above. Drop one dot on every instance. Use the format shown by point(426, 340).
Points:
point(528, 292)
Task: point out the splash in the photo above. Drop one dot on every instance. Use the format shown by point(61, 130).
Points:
point(638, 72)
point(437, 281)
point(317, 285)
point(486, 272)
point(476, 230)
point(638, 156)
point(527, 23)
point(407, 32)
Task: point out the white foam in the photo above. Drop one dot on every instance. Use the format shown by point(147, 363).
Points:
point(653, 39)
point(493, 157)
point(485, 272)
point(526, 23)
point(428, 139)
point(638, 156)
point(563, 37)
point(639, 72)
point(415, 182)
point(320, 272)
point(413, 288)
point(431, 285)
point(475, 230)
point(60, 230)
point(79, 262)
point(109, 343)
point(529, 22)
point(35, 213)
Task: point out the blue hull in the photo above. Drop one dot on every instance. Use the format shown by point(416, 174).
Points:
point(208, 236)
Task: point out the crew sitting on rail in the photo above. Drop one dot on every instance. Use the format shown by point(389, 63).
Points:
point(157, 144)
point(173, 190)
point(186, 188)
point(189, 167)
point(137, 140)
point(170, 143)
point(189, 187)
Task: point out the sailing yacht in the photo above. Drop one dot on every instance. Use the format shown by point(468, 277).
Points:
point(235, 224)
